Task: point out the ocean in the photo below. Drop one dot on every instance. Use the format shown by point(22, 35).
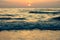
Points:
point(22, 18)
point(29, 23)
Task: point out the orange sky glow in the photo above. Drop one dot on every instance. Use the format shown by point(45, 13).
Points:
point(31, 3)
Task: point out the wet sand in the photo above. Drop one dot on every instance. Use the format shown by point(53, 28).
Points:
point(30, 35)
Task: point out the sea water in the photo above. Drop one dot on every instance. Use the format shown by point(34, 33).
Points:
point(19, 24)
point(20, 18)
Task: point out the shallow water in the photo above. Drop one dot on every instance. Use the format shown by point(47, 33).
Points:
point(20, 18)
point(19, 24)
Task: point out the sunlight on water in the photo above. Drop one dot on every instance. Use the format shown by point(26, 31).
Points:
point(19, 24)
point(24, 13)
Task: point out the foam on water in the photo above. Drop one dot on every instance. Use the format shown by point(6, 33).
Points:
point(12, 27)
point(11, 17)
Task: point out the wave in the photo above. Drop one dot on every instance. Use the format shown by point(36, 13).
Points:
point(12, 19)
point(23, 14)
point(55, 19)
point(29, 25)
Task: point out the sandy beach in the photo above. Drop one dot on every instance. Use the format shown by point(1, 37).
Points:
point(30, 35)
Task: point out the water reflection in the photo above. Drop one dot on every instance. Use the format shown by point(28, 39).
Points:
point(16, 19)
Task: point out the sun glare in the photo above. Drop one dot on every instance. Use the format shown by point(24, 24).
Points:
point(29, 3)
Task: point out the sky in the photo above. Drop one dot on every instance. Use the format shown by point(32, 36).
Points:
point(29, 3)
